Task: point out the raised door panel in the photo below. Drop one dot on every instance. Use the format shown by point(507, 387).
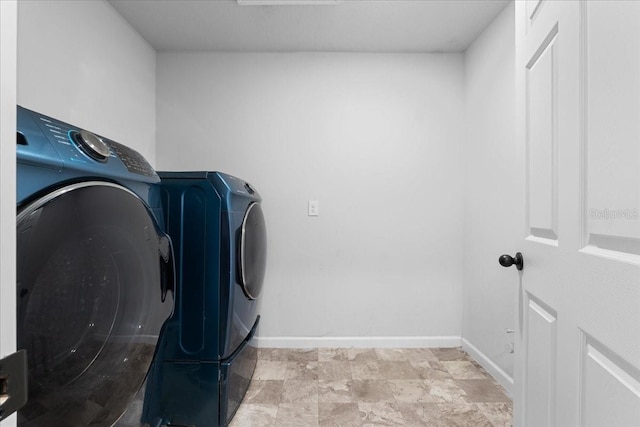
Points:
point(612, 128)
point(610, 388)
point(541, 122)
point(540, 326)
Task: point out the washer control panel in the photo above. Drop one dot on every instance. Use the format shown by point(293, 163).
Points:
point(133, 161)
point(47, 141)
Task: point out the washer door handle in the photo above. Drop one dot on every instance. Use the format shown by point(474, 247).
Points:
point(167, 267)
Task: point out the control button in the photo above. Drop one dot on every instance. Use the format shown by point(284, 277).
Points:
point(92, 145)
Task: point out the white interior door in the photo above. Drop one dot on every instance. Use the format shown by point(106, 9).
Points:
point(578, 100)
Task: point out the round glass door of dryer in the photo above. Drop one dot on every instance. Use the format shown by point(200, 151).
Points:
point(92, 275)
point(253, 251)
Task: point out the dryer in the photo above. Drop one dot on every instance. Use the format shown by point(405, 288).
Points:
point(94, 271)
point(206, 355)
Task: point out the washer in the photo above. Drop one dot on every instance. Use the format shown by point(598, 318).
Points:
point(206, 356)
point(94, 271)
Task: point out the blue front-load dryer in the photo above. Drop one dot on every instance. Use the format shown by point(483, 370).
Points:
point(206, 355)
point(94, 271)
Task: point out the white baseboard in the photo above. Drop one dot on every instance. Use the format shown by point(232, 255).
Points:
point(358, 342)
point(496, 372)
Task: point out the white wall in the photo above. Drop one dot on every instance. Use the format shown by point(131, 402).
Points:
point(8, 47)
point(377, 139)
point(494, 206)
point(80, 62)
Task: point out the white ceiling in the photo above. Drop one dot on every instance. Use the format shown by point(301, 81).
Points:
point(348, 25)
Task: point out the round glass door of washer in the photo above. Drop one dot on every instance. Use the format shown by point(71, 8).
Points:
point(92, 276)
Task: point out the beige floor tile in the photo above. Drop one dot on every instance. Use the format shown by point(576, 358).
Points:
point(288, 354)
point(300, 391)
point(270, 370)
point(371, 391)
point(457, 415)
point(334, 371)
point(339, 415)
point(334, 391)
point(413, 414)
point(438, 365)
point(398, 370)
point(303, 355)
point(255, 415)
point(500, 414)
point(380, 414)
point(274, 354)
point(420, 355)
point(464, 370)
point(333, 355)
point(264, 392)
point(366, 369)
point(411, 391)
point(361, 354)
point(446, 391)
point(431, 371)
point(482, 391)
point(355, 391)
point(301, 371)
point(424, 415)
point(450, 354)
point(391, 354)
point(297, 415)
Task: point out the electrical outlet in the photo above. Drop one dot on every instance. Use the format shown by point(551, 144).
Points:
point(314, 208)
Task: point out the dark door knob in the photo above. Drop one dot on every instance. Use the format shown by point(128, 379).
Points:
point(508, 261)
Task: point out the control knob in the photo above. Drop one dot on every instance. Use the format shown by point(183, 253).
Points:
point(92, 145)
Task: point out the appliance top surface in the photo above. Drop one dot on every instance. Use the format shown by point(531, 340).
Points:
point(49, 143)
point(228, 186)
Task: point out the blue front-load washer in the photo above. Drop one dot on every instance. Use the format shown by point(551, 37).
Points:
point(206, 355)
point(93, 272)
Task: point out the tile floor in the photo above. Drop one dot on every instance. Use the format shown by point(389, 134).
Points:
point(370, 387)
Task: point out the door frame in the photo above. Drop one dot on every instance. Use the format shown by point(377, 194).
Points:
point(8, 102)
